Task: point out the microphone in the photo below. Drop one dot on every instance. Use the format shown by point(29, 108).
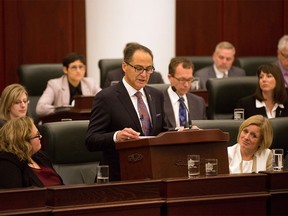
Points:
point(141, 117)
point(189, 122)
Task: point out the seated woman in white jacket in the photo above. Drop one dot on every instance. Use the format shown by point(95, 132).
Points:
point(252, 154)
point(61, 91)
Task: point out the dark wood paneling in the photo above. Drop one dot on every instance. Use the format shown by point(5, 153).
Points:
point(2, 68)
point(197, 26)
point(253, 26)
point(40, 31)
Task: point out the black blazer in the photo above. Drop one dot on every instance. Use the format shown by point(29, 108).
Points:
point(17, 174)
point(112, 111)
point(248, 104)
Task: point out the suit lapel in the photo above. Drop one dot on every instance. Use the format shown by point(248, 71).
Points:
point(151, 104)
point(125, 99)
point(190, 106)
point(169, 110)
point(65, 93)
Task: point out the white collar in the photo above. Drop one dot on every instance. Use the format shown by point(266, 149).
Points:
point(131, 90)
point(219, 74)
point(260, 104)
point(174, 97)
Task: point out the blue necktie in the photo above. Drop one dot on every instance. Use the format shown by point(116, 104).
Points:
point(143, 113)
point(182, 112)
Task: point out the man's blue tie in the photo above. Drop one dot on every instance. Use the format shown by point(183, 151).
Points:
point(182, 112)
point(143, 113)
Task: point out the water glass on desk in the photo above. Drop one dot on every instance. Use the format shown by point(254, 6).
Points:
point(195, 84)
point(193, 162)
point(277, 159)
point(102, 174)
point(238, 114)
point(211, 167)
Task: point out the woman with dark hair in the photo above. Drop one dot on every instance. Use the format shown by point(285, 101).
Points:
point(270, 98)
point(61, 91)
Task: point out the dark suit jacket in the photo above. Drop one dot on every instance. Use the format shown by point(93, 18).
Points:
point(196, 107)
point(112, 111)
point(208, 72)
point(248, 104)
point(17, 174)
point(117, 75)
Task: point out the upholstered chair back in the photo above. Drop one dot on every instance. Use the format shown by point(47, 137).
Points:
point(223, 94)
point(64, 142)
point(35, 77)
point(106, 65)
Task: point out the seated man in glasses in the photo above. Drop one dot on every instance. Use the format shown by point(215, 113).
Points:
point(180, 106)
point(116, 75)
point(61, 91)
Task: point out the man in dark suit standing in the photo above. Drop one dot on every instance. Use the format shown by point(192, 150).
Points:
point(223, 58)
point(126, 110)
point(181, 76)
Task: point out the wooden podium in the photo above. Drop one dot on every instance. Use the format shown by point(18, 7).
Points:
point(165, 155)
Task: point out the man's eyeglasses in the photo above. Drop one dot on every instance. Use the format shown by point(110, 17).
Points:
point(183, 81)
point(39, 136)
point(17, 102)
point(140, 69)
point(80, 67)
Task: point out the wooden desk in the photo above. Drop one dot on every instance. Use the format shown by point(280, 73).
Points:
point(277, 186)
point(118, 198)
point(28, 201)
point(80, 111)
point(238, 194)
point(217, 195)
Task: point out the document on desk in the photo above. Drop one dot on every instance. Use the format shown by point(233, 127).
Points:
point(146, 137)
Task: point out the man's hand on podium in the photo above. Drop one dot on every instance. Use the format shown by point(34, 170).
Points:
point(127, 134)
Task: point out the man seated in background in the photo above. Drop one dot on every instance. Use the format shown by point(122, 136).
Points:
point(116, 75)
point(223, 57)
point(176, 113)
point(282, 55)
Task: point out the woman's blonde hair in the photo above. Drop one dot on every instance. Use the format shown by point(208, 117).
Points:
point(8, 97)
point(266, 130)
point(15, 136)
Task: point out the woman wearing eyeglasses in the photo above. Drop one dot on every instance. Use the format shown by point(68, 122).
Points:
point(22, 164)
point(61, 91)
point(14, 103)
